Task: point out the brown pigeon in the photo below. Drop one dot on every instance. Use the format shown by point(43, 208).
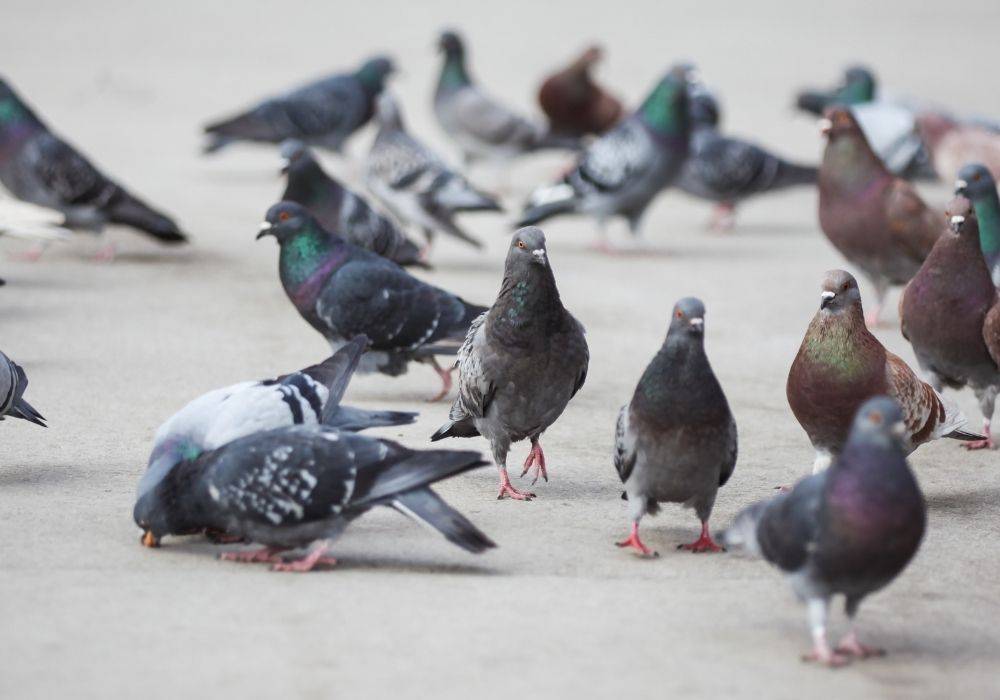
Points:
point(876, 220)
point(952, 145)
point(574, 104)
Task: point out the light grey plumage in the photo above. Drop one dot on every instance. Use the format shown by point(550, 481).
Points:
point(13, 382)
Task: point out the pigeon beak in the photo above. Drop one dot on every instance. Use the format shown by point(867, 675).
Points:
point(825, 299)
point(960, 186)
point(697, 325)
point(825, 127)
point(285, 167)
point(956, 222)
point(149, 539)
point(539, 254)
point(264, 230)
point(898, 430)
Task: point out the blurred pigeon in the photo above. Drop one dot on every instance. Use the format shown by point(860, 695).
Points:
point(344, 291)
point(297, 486)
point(574, 104)
point(841, 364)
point(675, 442)
point(340, 210)
point(521, 363)
point(323, 113)
point(13, 382)
point(858, 87)
point(953, 144)
point(38, 167)
point(621, 172)
point(943, 312)
point(877, 221)
point(416, 185)
point(849, 530)
point(975, 182)
point(481, 127)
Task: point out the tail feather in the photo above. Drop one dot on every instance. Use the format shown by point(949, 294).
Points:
point(130, 211)
point(965, 436)
point(557, 141)
point(23, 409)
point(358, 419)
point(335, 372)
point(425, 506)
point(418, 470)
point(455, 428)
point(547, 202)
point(952, 422)
point(446, 224)
point(792, 174)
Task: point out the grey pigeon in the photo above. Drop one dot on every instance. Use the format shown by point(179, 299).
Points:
point(847, 531)
point(976, 182)
point(13, 382)
point(299, 486)
point(857, 87)
point(675, 441)
point(323, 113)
point(521, 363)
point(37, 166)
point(344, 291)
point(481, 126)
point(341, 210)
point(415, 184)
point(621, 172)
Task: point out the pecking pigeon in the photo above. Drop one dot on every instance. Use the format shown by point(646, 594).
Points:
point(344, 291)
point(13, 382)
point(675, 442)
point(840, 365)
point(976, 183)
point(849, 530)
point(521, 363)
point(323, 113)
point(574, 104)
point(416, 185)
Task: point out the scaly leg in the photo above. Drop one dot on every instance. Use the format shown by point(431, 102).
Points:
point(723, 217)
point(821, 651)
point(264, 555)
point(704, 543)
point(446, 382)
point(635, 543)
point(317, 555)
point(536, 460)
point(507, 489)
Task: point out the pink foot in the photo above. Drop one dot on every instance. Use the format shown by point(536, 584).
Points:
point(264, 555)
point(106, 254)
point(32, 255)
point(986, 444)
point(635, 543)
point(317, 557)
point(507, 489)
point(445, 375)
point(850, 646)
point(723, 218)
point(704, 543)
point(536, 460)
point(826, 656)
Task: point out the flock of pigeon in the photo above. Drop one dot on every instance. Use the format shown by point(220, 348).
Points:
point(283, 464)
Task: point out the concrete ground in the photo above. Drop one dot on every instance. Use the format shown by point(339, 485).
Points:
point(557, 610)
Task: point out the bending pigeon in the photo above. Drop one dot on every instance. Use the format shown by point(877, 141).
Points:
point(840, 365)
point(416, 185)
point(481, 127)
point(297, 486)
point(850, 530)
point(976, 183)
point(953, 144)
point(675, 442)
point(338, 209)
point(37, 166)
point(521, 363)
point(13, 382)
point(344, 291)
point(858, 87)
point(621, 172)
point(944, 313)
point(323, 113)
point(574, 104)
point(877, 221)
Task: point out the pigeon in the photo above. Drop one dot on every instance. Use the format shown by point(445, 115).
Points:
point(675, 441)
point(13, 382)
point(877, 221)
point(344, 291)
point(338, 209)
point(621, 172)
point(416, 185)
point(849, 530)
point(324, 113)
point(521, 363)
point(953, 144)
point(299, 486)
point(481, 127)
point(38, 167)
point(308, 397)
point(975, 182)
point(840, 365)
point(574, 104)
point(944, 311)
point(728, 170)
point(858, 87)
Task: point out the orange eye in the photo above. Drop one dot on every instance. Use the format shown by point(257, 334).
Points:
point(844, 287)
point(283, 216)
point(680, 314)
point(520, 244)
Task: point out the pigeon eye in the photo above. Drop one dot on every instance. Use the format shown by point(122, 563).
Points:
point(680, 314)
point(875, 418)
point(283, 216)
point(520, 244)
point(976, 176)
point(843, 288)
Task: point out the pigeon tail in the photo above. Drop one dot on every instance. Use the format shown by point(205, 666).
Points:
point(215, 143)
point(792, 174)
point(24, 410)
point(357, 419)
point(130, 211)
point(557, 141)
point(964, 436)
point(953, 422)
point(456, 428)
point(426, 507)
point(547, 202)
point(419, 470)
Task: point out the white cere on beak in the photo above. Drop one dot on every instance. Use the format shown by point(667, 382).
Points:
point(961, 184)
point(827, 295)
point(697, 322)
point(539, 253)
point(957, 220)
point(825, 125)
point(899, 429)
point(264, 226)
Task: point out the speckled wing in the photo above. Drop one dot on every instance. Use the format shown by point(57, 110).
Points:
point(729, 168)
point(614, 160)
point(475, 387)
point(914, 227)
point(788, 529)
point(991, 331)
point(625, 445)
point(400, 162)
point(486, 120)
point(66, 176)
point(924, 413)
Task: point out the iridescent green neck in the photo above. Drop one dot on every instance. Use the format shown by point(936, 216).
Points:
point(371, 77)
point(834, 345)
point(858, 93)
point(453, 74)
point(988, 212)
point(660, 110)
point(850, 165)
point(303, 255)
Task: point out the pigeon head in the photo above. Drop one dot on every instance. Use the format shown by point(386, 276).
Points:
point(840, 292)
point(962, 220)
point(451, 43)
point(666, 107)
point(387, 113)
point(688, 318)
point(156, 509)
point(527, 247)
point(838, 122)
point(590, 56)
point(859, 86)
point(374, 72)
point(880, 419)
point(703, 107)
point(294, 152)
point(975, 182)
point(12, 109)
point(284, 220)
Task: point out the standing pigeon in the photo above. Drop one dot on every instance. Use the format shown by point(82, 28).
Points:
point(340, 210)
point(297, 486)
point(39, 167)
point(621, 172)
point(521, 363)
point(858, 87)
point(976, 183)
point(13, 382)
point(675, 442)
point(482, 128)
point(944, 310)
point(344, 291)
point(953, 144)
point(323, 113)
point(841, 364)
point(416, 185)
point(574, 104)
point(849, 530)
point(876, 220)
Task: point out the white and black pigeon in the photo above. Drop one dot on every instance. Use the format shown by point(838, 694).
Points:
point(521, 363)
point(300, 486)
point(415, 184)
point(849, 530)
point(13, 382)
point(675, 441)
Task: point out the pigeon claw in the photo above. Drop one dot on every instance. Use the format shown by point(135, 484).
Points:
point(148, 539)
point(536, 461)
point(851, 647)
point(304, 564)
point(446, 382)
point(507, 489)
point(986, 444)
point(831, 659)
point(264, 555)
point(635, 543)
point(704, 543)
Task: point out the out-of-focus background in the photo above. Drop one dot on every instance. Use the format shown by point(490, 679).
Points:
point(557, 610)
